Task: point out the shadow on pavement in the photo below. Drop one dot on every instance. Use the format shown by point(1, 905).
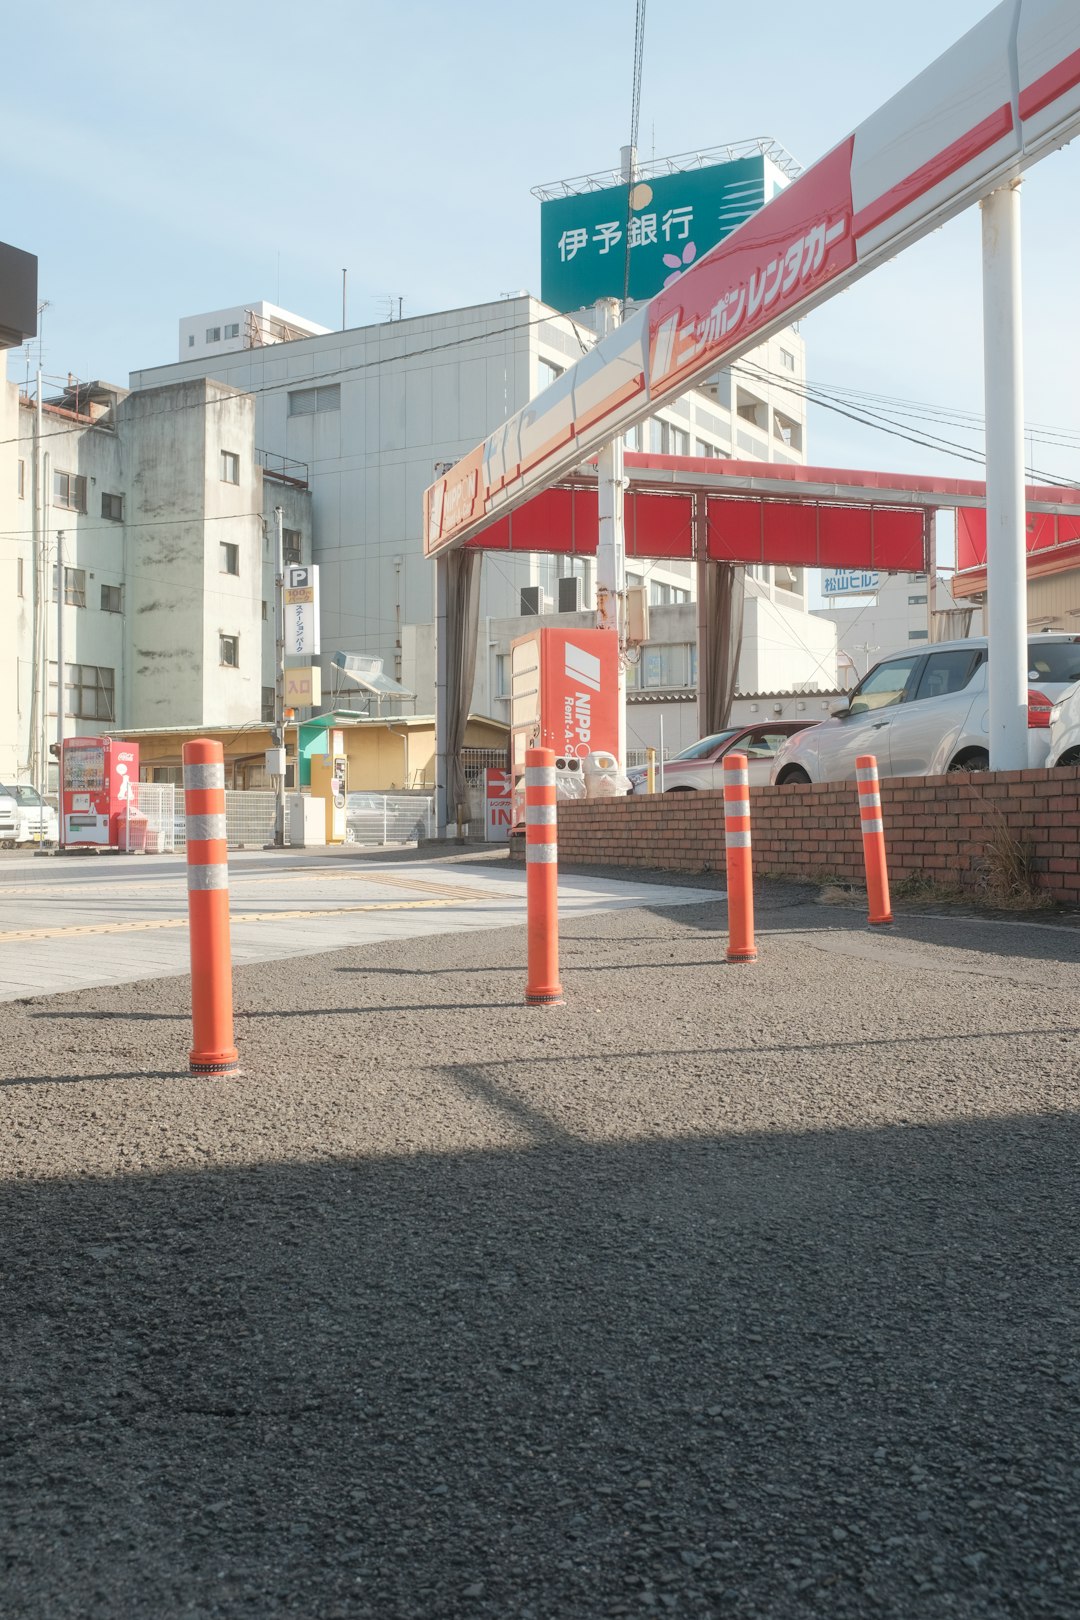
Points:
point(831, 1374)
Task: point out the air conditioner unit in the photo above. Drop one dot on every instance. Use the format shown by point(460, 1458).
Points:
point(569, 595)
point(534, 600)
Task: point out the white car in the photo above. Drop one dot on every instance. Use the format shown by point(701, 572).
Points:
point(35, 819)
point(1065, 728)
point(927, 711)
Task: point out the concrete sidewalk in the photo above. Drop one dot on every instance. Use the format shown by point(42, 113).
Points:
point(741, 1292)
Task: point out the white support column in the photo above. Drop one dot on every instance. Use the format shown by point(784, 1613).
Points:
point(442, 758)
point(611, 540)
point(1006, 573)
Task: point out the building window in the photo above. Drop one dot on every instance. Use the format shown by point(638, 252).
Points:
point(915, 601)
point(230, 467)
point(191, 340)
point(915, 579)
point(213, 334)
point(307, 401)
point(112, 506)
point(19, 577)
point(787, 360)
point(69, 491)
point(233, 329)
point(269, 703)
point(680, 442)
point(112, 599)
point(22, 480)
point(230, 557)
point(230, 651)
point(74, 586)
point(665, 667)
point(502, 675)
point(546, 374)
point(264, 612)
point(290, 546)
point(704, 448)
point(89, 691)
point(918, 635)
point(632, 438)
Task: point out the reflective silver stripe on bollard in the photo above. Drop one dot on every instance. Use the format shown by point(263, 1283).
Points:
point(215, 876)
point(202, 826)
point(204, 776)
point(539, 776)
point(540, 815)
point(545, 853)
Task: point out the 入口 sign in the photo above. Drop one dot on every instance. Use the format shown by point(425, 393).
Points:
point(303, 688)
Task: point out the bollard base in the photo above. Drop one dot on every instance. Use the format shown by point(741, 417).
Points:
point(735, 957)
point(545, 998)
point(223, 1064)
point(875, 922)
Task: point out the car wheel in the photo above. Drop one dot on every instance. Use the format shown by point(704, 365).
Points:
point(9, 843)
point(977, 759)
point(680, 790)
point(1070, 757)
point(794, 773)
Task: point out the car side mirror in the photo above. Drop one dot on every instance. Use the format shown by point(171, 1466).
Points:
point(839, 712)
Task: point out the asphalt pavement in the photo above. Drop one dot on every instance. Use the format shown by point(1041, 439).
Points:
point(718, 1291)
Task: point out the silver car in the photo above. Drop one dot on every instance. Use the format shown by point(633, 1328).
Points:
point(1065, 728)
point(926, 711)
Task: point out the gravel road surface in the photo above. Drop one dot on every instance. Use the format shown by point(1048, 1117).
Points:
point(733, 1292)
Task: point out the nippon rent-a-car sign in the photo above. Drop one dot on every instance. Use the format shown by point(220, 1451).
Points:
point(1004, 96)
point(670, 221)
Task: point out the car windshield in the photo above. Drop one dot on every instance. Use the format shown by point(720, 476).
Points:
point(1057, 662)
point(707, 745)
point(22, 794)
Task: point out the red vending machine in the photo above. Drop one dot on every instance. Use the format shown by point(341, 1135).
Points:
point(97, 790)
point(564, 693)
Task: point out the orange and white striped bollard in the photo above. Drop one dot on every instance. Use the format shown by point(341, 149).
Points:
point(212, 1051)
point(740, 876)
point(542, 987)
point(873, 839)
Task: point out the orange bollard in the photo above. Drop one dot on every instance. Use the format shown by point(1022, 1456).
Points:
point(873, 839)
point(212, 1050)
point(542, 987)
point(740, 876)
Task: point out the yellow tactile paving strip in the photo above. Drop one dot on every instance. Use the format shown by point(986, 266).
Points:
point(27, 935)
point(390, 881)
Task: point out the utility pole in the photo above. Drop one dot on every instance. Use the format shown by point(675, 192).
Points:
point(279, 680)
point(611, 549)
point(59, 644)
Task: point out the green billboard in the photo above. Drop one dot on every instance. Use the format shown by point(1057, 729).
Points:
point(671, 220)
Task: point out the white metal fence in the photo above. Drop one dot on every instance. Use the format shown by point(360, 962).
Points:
point(150, 824)
point(386, 818)
point(156, 825)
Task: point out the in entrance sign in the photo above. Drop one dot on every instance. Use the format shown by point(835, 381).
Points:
point(671, 220)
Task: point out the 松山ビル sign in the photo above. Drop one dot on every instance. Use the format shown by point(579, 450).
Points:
point(302, 611)
point(671, 220)
point(856, 583)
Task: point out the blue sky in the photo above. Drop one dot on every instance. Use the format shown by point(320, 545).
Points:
point(163, 159)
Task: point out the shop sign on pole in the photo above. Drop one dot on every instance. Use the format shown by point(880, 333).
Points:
point(303, 688)
point(302, 611)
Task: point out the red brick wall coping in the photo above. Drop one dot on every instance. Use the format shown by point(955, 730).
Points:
point(938, 826)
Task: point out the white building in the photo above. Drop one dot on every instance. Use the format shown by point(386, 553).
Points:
point(244, 326)
point(898, 612)
point(371, 413)
point(165, 517)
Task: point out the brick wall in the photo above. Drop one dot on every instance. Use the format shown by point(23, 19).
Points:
point(939, 826)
